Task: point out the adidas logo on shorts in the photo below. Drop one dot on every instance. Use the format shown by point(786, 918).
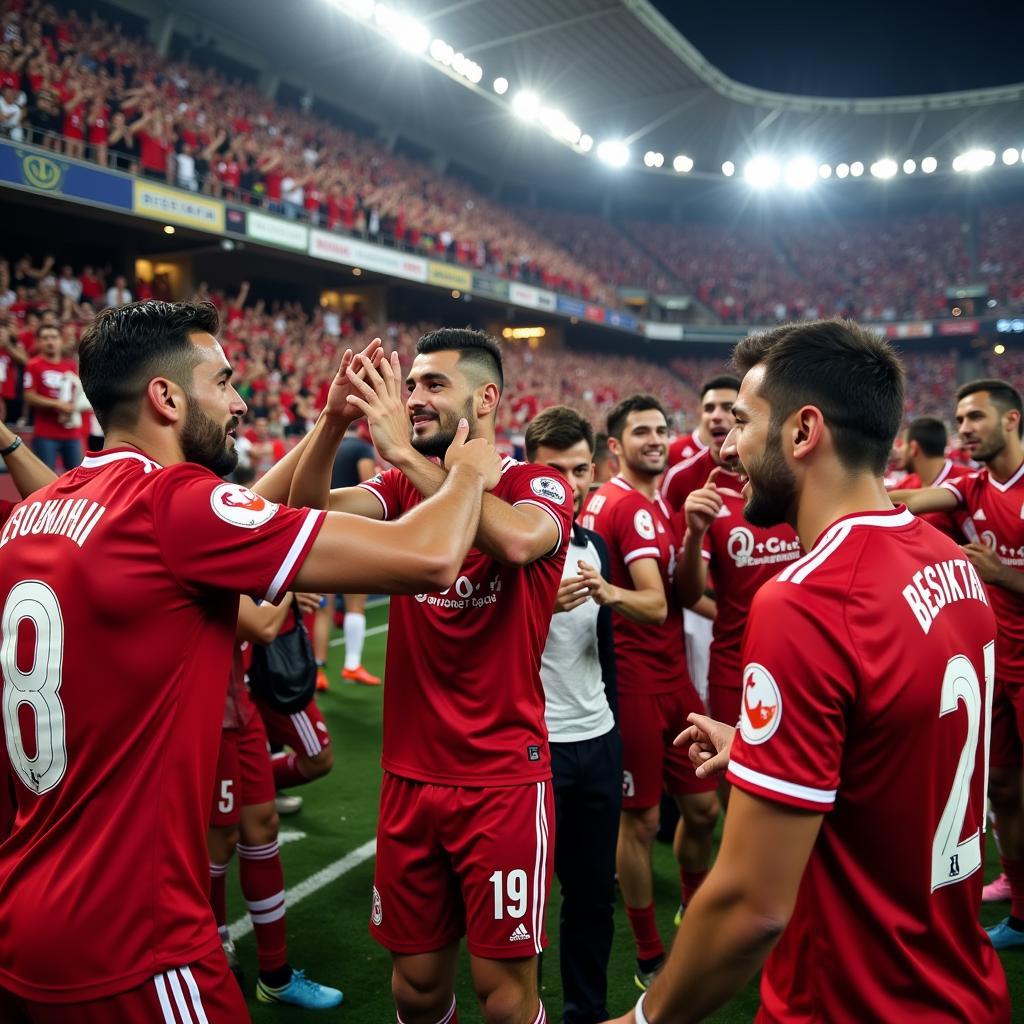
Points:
point(519, 935)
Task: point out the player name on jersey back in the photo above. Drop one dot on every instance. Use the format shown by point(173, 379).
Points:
point(74, 518)
point(935, 586)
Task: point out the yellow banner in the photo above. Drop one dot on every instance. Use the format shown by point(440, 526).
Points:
point(175, 206)
point(447, 276)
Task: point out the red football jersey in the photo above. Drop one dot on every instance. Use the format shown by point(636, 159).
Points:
point(947, 522)
point(685, 447)
point(867, 696)
point(51, 380)
point(463, 701)
point(741, 557)
point(691, 473)
point(997, 519)
point(121, 583)
point(650, 658)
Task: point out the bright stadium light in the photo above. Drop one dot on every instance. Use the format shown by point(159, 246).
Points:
point(1011, 156)
point(362, 9)
point(801, 172)
point(682, 164)
point(559, 125)
point(442, 52)
point(728, 168)
point(613, 152)
point(909, 166)
point(825, 171)
point(884, 168)
point(501, 86)
point(928, 164)
point(405, 31)
point(974, 160)
point(761, 172)
point(653, 159)
point(842, 170)
point(586, 143)
point(856, 168)
point(526, 105)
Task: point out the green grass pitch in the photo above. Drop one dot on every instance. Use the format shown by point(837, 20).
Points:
point(327, 929)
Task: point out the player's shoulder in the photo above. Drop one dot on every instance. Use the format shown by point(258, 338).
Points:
point(687, 467)
point(618, 496)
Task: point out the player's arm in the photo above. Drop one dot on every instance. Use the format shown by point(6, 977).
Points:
point(514, 534)
point(28, 472)
point(738, 913)
point(992, 569)
point(690, 579)
point(422, 551)
point(926, 499)
point(645, 602)
point(45, 402)
point(261, 623)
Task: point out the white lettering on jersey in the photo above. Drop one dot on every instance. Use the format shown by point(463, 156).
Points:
point(745, 551)
point(74, 518)
point(935, 586)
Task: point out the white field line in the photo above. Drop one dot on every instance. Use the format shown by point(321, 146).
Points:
point(339, 641)
point(316, 882)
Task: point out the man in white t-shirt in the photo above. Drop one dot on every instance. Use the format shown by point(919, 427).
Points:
point(578, 672)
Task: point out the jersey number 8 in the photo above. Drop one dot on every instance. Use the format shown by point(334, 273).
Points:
point(37, 686)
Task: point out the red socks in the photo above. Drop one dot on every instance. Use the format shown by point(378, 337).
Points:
point(287, 772)
point(218, 893)
point(645, 932)
point(262, 878)
point(691, 881)
point(1014, 870)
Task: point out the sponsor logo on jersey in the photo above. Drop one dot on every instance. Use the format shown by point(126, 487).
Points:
point(745, 550)
point(548, 487)
point(377, 913)
point(519, 935)
point(239, 506)
point(643, 523)
point(762, 704)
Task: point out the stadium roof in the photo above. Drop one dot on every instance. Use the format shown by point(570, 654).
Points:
point(617, 68)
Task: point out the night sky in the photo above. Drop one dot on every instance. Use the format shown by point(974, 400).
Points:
point(864, 48)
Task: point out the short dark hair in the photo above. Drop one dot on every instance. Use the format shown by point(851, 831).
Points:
point(1005, 397)
point(930, 434)
point(559, 428)
point(635, 403)
point(725, 380)
point(476, 348)
point(126, 347)
point(601, 452)
point(851, 374)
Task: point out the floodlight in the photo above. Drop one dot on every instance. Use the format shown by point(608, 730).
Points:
point(801, 172)
point(586, 143)
point(405, 31)
point(1011, 156)
point(526, 105)
point(613, 152)
point(728, 168)
point(501, 86)
point(842, 170)
point(653, 159)
point(682, 164)
point(909, 166)
point(974, 160)
point(441, 51)
point(761, 172)
point(475, 73)
point(825, 171)
point(884, 168)
point(928, 164)
point(856, 168)
point(357, 8)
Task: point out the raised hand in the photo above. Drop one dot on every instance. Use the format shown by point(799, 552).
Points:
point(597, 586)
point(479, 454)
point(703, 505)
point(376, 392)
point(572, 592)
point(338, 406)
point(710, 744)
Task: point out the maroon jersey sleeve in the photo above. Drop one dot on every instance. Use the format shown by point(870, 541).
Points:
point(386, 488)
point(534, 485)
point(223, 536)
point(798, 684)
point(633, 529)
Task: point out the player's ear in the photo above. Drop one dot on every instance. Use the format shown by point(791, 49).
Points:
point(487, 398)
point(166, 399)
point(806, 431)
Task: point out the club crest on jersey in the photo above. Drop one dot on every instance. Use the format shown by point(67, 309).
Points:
point(377, 913)
point(762, 704)
point(239, 506)
point(548, 487)
point(643, 523)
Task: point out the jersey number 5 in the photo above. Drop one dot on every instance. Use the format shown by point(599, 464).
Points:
point(36, 686)
point(954, 860)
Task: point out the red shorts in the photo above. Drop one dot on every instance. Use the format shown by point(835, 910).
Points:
point(650, 763)
point(202, 991)
point(1007, 749)
point(245, 776)
point(724, 703)
point(454, 861)
point(305, 731)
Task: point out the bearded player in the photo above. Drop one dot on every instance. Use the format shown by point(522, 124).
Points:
point(464, 842)
point(868, 672)
point(655, 689)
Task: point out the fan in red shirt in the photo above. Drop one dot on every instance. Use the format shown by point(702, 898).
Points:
point(922, 455)
point(851, 861)
point(104, 877)
point(463, 841)
point(989, 417)
point(654, 686)
point(51, 384)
